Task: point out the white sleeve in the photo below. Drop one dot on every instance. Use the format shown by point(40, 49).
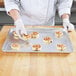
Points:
point(10, 4)
point(64, 6)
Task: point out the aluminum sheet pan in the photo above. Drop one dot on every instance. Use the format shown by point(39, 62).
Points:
point(26, 46)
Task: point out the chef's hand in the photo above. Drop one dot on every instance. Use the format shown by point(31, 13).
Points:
point(20, 29)
point(67, 25)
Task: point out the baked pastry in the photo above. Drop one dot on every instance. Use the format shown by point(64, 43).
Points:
point(16, 37)
point(61, 47)
point(47, 40)
point(15, 46)
point(36, 47)
point(34, 35)
point(58, 34)
point(26, 37)
point(14, 33)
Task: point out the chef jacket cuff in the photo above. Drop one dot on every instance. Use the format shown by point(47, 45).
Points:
point(63, 11)
point(12, 7)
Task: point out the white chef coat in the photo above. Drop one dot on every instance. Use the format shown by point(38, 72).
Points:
point(39, 12)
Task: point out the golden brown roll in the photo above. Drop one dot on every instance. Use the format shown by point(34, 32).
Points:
point(16, 37)
point(58, 34)
point(26, 37)
point(15, 46)
point(61, 47)
point(34, 35)
point(14, 33)
point(36, 47)
point(47, 40)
